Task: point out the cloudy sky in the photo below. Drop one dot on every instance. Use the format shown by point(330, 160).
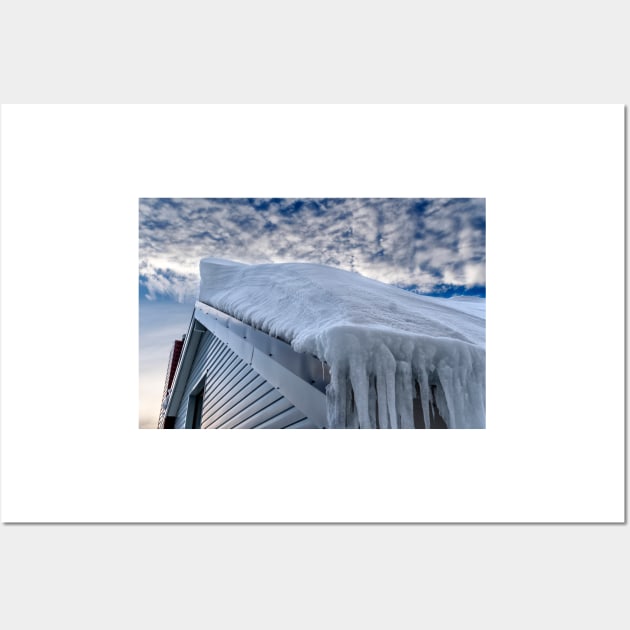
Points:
point(434, 246)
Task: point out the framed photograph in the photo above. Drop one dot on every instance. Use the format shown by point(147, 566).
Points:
point(312, 313)
point(82, 184)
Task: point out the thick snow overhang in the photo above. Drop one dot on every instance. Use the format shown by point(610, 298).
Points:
point(386, 348)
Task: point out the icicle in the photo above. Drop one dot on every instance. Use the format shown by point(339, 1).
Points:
point(336, 399)
point(442, 380)
point(385, 368)
point(390, 383)
point(372, 400)
point(359, 379)
point(374, 380)
point(381, 402)
point(425, 396)
point(352, 415)
point(404, 395)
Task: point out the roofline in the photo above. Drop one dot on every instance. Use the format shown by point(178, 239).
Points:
point(186, 357)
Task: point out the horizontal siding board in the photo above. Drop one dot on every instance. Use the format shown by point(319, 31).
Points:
point(197, 369)
point(231, 381)
point(282, 419)
point(217, 381)
point(253, 390)
point(218, 397)
point(223, 405)
point(213, 356)
point(214, 351)
point(213, 363)
point(257, 401)
point(266, 413)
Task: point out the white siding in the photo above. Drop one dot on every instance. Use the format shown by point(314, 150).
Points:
point(235, 395)
point(205, 352)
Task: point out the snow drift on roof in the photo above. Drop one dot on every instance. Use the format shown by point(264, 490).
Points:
point(384, 345)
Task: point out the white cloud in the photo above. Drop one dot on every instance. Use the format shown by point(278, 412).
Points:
point(400, 241)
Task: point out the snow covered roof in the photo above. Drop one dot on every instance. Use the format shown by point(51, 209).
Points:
point(383, 345)
point(300, 301)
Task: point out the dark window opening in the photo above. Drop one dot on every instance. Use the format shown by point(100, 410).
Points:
point(196, 422)
point(195, 407)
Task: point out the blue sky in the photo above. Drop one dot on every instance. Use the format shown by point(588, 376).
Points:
point(434, 246)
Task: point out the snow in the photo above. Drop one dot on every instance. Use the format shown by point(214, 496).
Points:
point(384, 346)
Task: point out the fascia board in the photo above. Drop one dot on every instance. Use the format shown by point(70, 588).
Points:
point(193, 336)
point(309, 399)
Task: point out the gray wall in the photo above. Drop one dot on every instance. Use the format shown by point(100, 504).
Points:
point(235, 395)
